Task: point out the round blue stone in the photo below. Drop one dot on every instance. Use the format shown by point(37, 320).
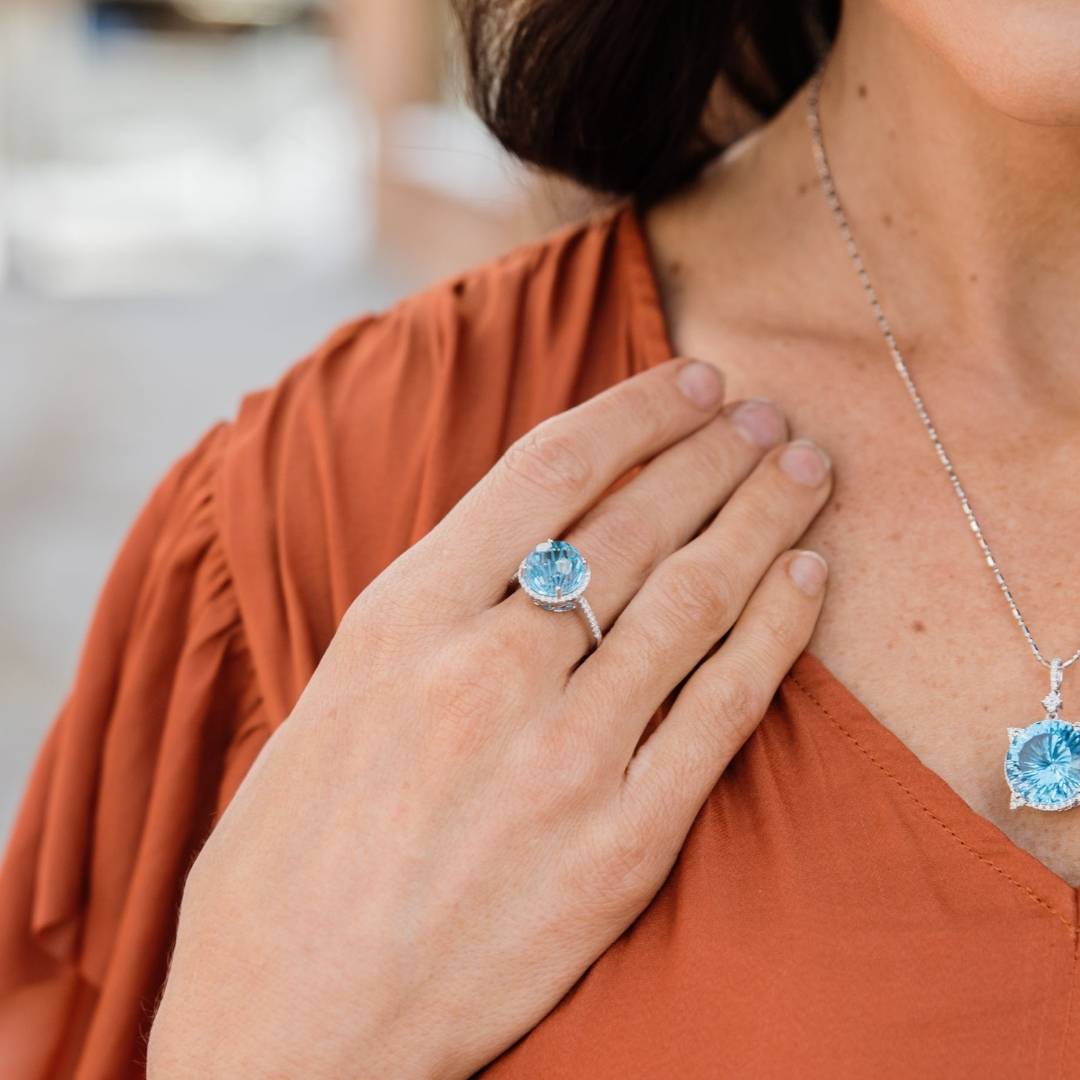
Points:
point(1042, 765)
point(554, 574)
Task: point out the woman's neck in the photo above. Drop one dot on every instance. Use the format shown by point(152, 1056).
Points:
point(968, 214)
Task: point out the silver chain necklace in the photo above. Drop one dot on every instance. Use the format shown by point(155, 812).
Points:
point(1042, 763)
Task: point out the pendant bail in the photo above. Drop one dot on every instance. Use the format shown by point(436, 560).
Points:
point(1052, 701)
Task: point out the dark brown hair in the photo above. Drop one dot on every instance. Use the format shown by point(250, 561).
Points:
point(615, 93)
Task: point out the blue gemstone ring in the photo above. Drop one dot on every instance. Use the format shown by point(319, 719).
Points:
point(554, 575)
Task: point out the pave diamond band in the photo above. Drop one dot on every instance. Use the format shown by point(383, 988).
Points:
point(554, 575)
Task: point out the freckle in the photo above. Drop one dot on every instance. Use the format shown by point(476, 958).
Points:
point(913, 231)
point(803, 188)
point(886, 219)
point(973, 277)
point(919, 626)
point(892, 133)
point(894, 535)
point(675, 268)
point(862, 90)
point(837, 505)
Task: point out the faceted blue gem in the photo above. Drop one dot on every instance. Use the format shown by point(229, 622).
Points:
point(554, 574)
point(1042, 765)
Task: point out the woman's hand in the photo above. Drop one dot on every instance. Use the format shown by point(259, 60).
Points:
point(457, 818)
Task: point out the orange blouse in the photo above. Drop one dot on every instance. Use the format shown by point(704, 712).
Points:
point(837, 910)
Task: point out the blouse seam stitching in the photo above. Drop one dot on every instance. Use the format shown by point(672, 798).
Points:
point(1068, 1019)
point(1026, 890)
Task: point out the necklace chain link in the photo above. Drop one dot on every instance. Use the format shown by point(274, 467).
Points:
point(833, 199)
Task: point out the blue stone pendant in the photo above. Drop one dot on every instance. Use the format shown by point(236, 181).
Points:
point(1042, 764)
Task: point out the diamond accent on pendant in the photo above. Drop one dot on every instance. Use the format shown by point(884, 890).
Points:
point(1042, 765)
point(1052, 702)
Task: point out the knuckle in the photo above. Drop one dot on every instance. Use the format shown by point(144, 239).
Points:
point(639, 407)
point(626, 863)
point(365, 634)
point(623, 536)
point(698, 593)
point(473, 685)
point(687, 768)
point(779, 630)
point(738, 702)
point(718, 452)
point(361, 612)
point(381, 626)
point(765, 510)
point(354, 624)
point(565, 765)
point(550, 460)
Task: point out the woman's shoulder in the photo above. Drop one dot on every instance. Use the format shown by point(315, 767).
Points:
point(363, 446)
point(574, 307)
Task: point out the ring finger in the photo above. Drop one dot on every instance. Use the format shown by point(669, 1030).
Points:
point(642, 522)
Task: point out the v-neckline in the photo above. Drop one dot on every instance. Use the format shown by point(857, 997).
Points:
point(942, 805)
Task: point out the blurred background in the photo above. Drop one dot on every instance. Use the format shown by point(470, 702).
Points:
point(193, 193)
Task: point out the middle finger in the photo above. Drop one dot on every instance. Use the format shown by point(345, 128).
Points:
point(694, 597)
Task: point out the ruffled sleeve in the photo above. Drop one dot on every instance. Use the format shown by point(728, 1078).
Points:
point(163, 718)
point(228, 591)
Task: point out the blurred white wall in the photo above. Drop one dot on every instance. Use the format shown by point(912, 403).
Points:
point(182, 215)
point(96, 399)
point(138, 162)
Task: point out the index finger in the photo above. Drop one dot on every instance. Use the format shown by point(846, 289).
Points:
point(556, 471)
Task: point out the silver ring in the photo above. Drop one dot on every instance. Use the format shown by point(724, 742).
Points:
point(555, 575)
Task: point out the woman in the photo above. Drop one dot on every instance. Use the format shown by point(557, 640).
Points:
point(728, 838)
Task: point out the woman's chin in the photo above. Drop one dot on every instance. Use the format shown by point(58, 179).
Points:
point(1031, 81)
point(1021, 58)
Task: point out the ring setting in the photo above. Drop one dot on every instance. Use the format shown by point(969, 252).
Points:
point(554, 575)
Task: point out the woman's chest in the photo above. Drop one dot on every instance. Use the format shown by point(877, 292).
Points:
point(915, 624)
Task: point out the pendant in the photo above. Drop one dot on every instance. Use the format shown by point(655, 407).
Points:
point(1042, 764)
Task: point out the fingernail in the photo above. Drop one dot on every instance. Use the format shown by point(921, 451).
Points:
point(759, 422)
point(808, 570)
point(805, 462)
point(701, 383)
